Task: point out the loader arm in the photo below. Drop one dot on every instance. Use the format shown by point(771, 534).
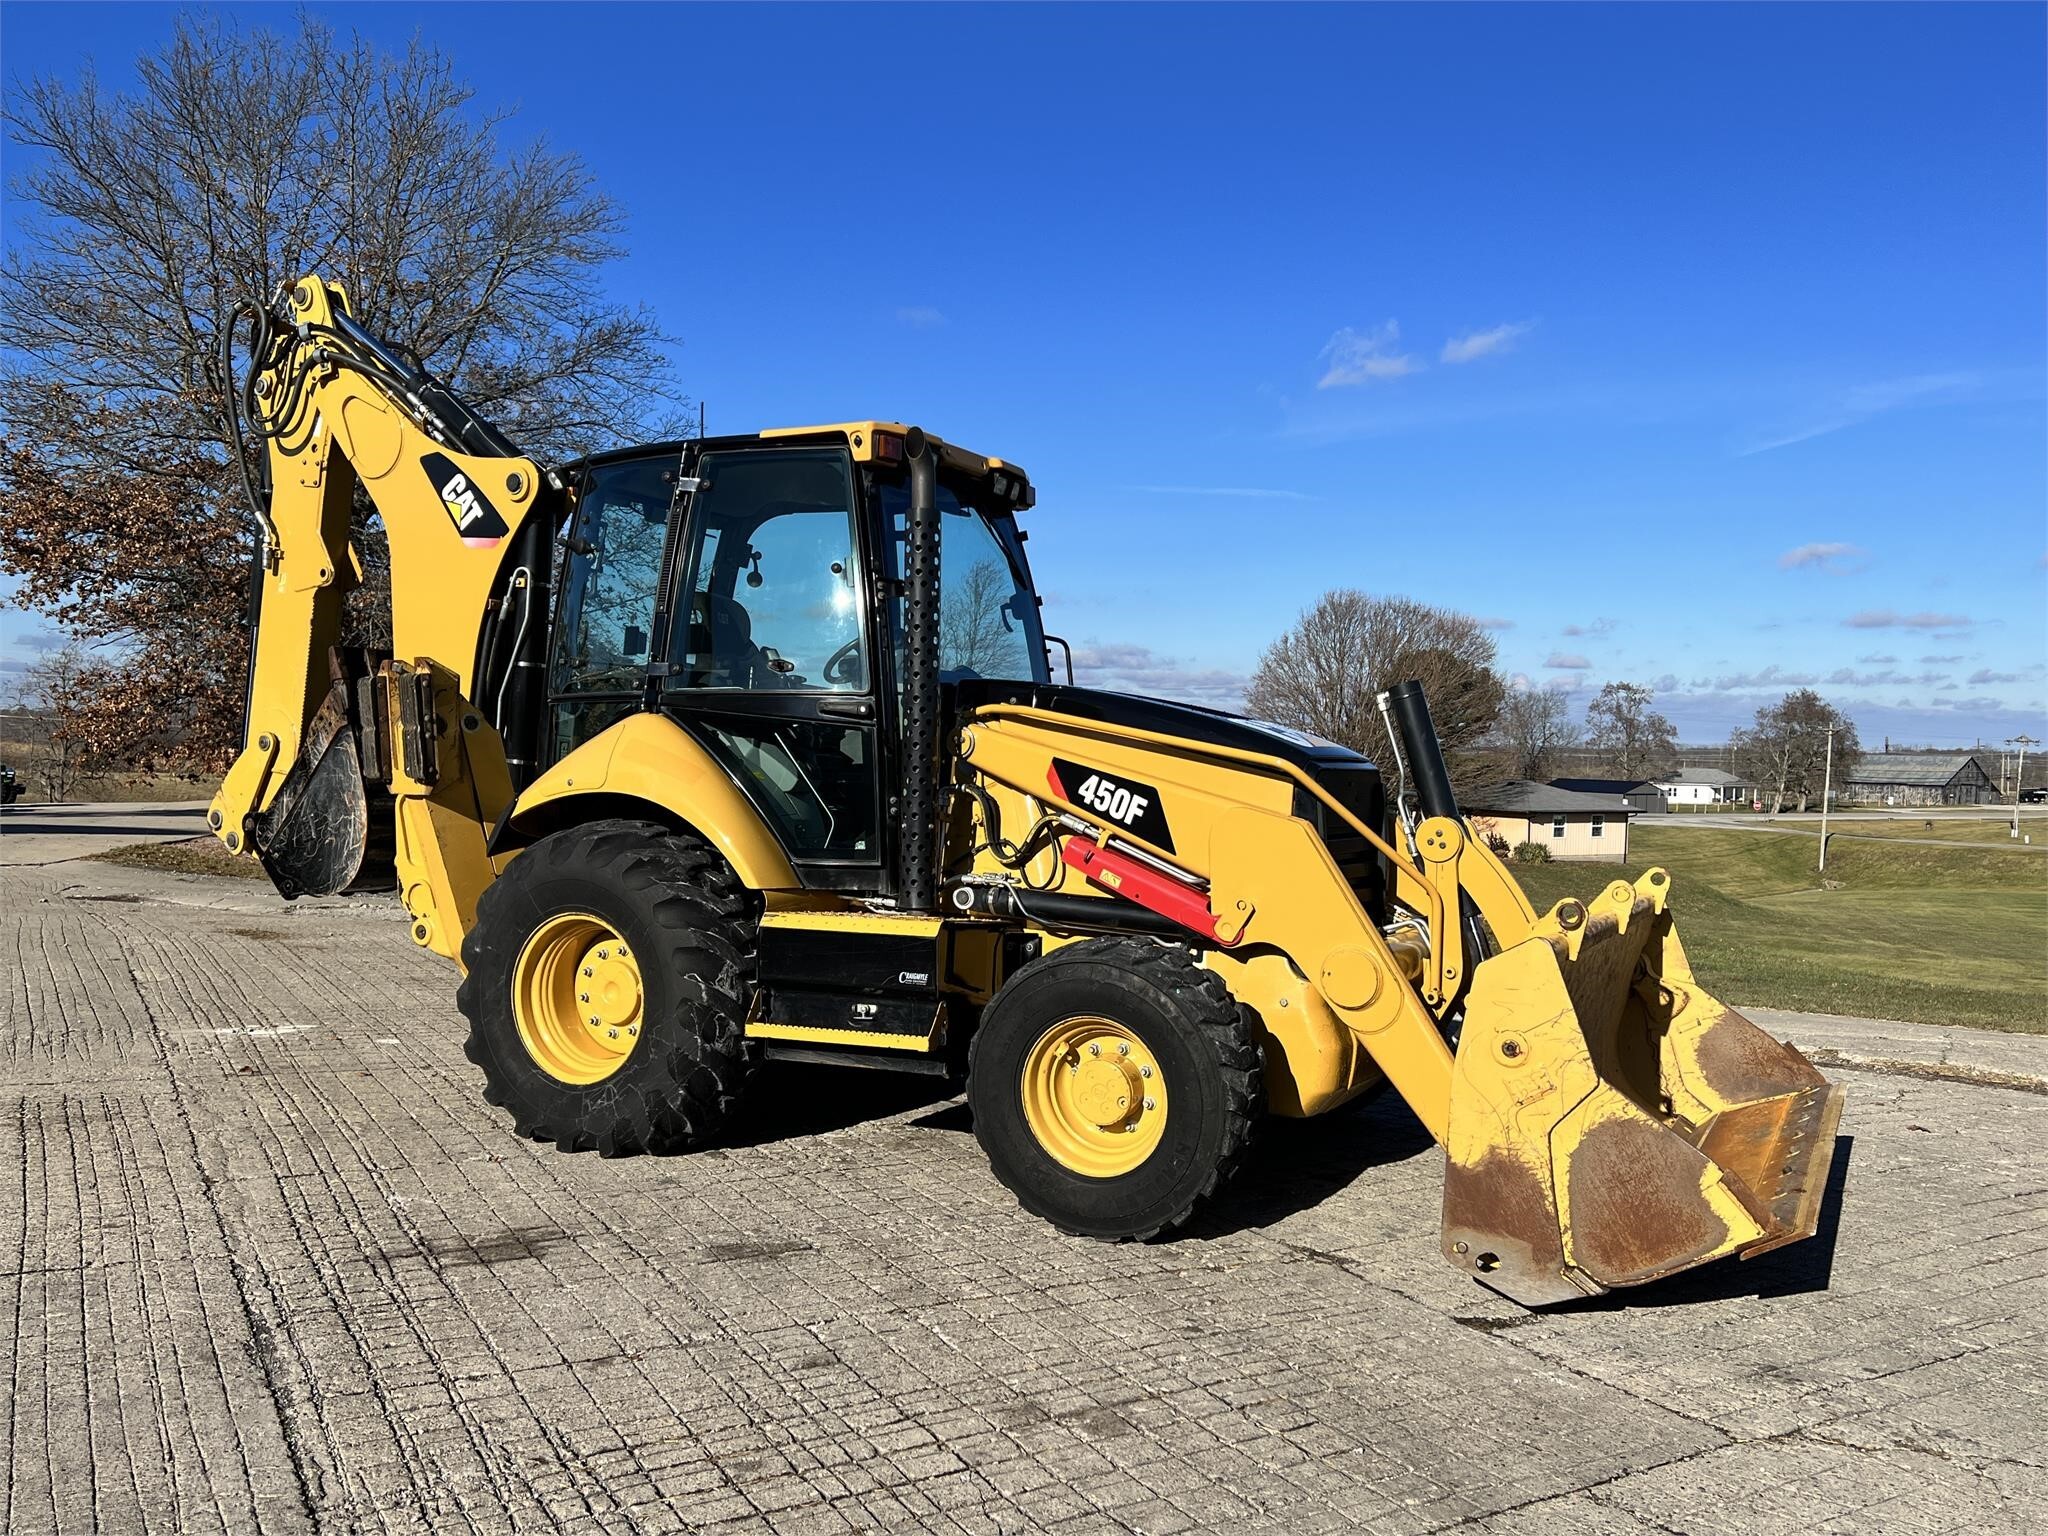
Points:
point(467, 519)
point(1605, 1120)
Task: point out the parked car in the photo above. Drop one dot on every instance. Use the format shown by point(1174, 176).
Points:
point(10, 787)
point(2033, 796)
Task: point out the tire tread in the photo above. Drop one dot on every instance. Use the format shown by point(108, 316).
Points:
point(1224, 1027)
point(707, 919)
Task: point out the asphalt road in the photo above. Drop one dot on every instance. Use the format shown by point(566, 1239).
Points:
point(269, 1264)
point(2033, 824)
point(49, 834)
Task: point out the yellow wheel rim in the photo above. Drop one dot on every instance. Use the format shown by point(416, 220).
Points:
point(576, 997)
point(1094, 1096)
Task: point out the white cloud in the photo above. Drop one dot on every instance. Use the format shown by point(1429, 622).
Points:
point(1358, 357)
point(1773, 676)
point(1139, 669)
point(1844, 677)
point(1986, 675)
point(1597, 627)
point(1495, 623)
point(920, 317)
point(1885, 661)
point(1477, 344)
point(1567, 661)
point(1885, 618)
point(1868, 400)
point(1825, 557)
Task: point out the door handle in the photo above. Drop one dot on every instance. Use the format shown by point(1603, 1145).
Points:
point(847, 709)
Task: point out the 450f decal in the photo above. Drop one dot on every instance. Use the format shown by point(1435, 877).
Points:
point(1126, 802)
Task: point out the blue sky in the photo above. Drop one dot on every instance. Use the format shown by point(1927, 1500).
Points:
point(1699, 347)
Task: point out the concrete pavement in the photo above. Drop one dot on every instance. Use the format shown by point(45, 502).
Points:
point(269, 1263)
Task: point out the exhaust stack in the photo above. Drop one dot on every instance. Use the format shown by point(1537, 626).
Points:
point(919, 848)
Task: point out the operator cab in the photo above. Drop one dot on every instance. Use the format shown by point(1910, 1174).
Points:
point(751, 588)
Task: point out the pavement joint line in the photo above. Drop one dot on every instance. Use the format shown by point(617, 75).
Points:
point(1939, 1072)
point(1588, 1490)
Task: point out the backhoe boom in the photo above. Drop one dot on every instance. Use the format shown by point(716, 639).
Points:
point(426, 725)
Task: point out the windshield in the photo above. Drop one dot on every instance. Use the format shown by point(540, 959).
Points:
point(988, 613)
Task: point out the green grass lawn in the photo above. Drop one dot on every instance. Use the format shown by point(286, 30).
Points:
point(1935, 935)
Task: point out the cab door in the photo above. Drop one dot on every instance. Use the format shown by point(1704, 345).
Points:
point(770, 660)
point(610, 582)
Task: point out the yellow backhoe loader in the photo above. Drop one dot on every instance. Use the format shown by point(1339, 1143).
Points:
point(707, 753)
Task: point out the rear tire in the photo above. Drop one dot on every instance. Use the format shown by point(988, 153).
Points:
point(669, 1071)
point(1045, 1063)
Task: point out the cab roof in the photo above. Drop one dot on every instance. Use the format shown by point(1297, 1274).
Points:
point(865, 440)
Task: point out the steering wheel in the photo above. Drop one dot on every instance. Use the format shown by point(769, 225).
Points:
point(838, 668)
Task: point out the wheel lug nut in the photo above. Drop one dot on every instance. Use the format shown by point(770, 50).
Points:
point(595, 1020)
point(588, 971)
point(1150, 1103)
point(1144, 1071)
point(613, 1033)
point(604, 954)
point(1123, 1050)
point(582, 997)
point(1094, 1050)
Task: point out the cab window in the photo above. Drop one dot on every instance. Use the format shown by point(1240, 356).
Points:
point(988, 614)
point(773, 576)
point(609, 581)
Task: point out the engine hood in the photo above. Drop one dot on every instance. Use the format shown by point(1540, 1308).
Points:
point(1212, 727)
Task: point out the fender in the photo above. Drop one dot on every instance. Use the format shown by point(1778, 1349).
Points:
point(648, 757)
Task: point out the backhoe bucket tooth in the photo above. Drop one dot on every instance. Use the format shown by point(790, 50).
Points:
point(1612, 1122)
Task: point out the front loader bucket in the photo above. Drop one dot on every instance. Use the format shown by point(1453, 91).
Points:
point(1611, 1122)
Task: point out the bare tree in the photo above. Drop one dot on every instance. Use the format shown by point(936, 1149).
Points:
point(975, 632)
point(1785, 751)
point(241, 161)
point(1325, 674)
point(58, 754)
point(1535, 725)
point(1633, 740)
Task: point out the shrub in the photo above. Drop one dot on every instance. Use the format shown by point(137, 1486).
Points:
point(1532, 853)
point(1498, 844)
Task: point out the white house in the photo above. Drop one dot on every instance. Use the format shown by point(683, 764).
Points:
point(1704, 786)
point(1570, 823)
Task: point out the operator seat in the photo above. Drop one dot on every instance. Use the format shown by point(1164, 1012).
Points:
point(722, 650)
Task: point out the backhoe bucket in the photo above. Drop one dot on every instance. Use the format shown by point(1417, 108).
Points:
point(1611, 1122)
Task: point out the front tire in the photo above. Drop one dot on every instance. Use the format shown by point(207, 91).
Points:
point(609, 972)
point(1115, 1085)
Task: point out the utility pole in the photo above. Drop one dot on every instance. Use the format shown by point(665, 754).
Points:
point(2019, 777)
point(1827, 790)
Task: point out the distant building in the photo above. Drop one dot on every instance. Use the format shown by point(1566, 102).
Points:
point(1644, 798)
point(1570, 823)
point(1704, 786)
point(1895, 778)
